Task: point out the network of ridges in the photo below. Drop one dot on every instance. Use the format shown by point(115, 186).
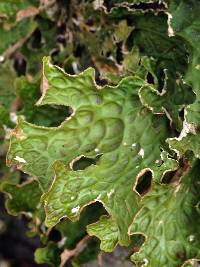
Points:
point(109, 123)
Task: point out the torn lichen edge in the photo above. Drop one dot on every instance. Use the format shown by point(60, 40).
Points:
point(77, 214)
point(27, 214)
point(131, 7)
point(98, 199)
point(188, 128)
point(40, 102)
point(163, 110)
point(190, 261)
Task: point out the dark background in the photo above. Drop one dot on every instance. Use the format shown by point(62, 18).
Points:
point(16, 249)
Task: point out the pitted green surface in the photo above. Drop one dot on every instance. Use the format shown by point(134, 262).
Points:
point(167, 220)
point(108, 121)
point(115, 138)
point(106, 230)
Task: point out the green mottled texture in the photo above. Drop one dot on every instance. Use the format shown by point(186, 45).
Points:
point(112, 150)
point(48, 255)
point(167, 220)
point(110, 121)
point(23, 198)
point(106, 230)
